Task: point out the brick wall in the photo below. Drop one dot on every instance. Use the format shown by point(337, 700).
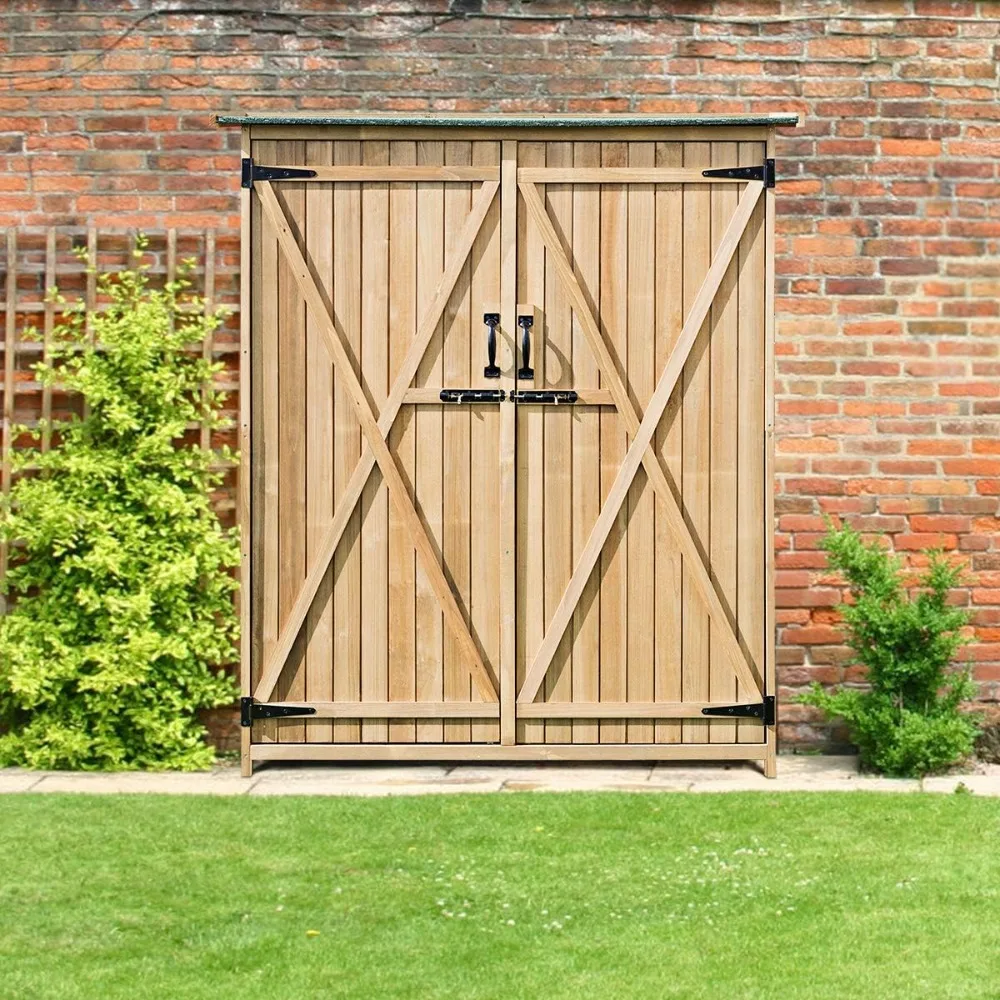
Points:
point(888, 209)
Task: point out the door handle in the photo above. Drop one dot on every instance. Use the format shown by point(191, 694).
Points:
point(525, 323)
point(492, 321)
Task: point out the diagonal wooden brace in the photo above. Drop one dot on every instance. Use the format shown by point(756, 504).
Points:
point(640, 452)
point(375, 434)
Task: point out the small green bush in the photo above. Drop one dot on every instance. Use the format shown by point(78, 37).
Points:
point(121, 570)
point(909, 722)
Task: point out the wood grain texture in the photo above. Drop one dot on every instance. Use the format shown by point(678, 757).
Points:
point(428, 443)
point(668, 639)
point(614, 549)
point(696, 435)
point(641, 324)
point(509, 510)
point(319, 434)
point(292, 366)
point(586, 469)
point(374, 502)
point(554, 340)
point(530, 449)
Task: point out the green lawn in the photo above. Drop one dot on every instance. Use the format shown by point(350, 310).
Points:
point(521, 895)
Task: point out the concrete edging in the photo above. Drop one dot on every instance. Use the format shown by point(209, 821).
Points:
point(795, 774)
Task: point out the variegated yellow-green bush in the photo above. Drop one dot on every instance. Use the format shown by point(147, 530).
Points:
point(121, 573)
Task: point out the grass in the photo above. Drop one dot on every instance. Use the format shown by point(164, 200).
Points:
point(507, 896)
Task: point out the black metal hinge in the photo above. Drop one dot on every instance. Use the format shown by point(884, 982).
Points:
point(251, 710)
point(764, 710)
point(250, 172)
point(765, 173)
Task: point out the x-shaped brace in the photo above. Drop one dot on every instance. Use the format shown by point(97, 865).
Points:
point(641, 434)
point(376, 432)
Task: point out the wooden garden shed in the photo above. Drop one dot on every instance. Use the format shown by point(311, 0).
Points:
point(506, 425)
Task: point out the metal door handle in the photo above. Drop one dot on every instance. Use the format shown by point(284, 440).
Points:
point(492, 321)
point(525, 323)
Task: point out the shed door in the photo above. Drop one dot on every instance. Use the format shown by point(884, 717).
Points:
point(640, 506)
point(376, 560)
point(638, 511)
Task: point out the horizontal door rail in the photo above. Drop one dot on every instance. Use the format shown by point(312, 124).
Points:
point(396, 709)
point(619, 175)
point(385, 174)
point(497, 751)
point(618, 710)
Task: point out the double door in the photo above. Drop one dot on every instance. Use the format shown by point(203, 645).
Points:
point(508, 463)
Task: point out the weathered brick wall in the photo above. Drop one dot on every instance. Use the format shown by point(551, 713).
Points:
point(889, 280)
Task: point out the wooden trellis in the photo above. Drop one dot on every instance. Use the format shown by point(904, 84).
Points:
point(36, 260)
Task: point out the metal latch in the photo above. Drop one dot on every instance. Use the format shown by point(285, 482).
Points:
point(472, 395)
point(543, 396)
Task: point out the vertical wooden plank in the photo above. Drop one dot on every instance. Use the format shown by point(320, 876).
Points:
point(9, 352)
point(347, 441)
point(248, 256)
point(770, 681)
point(486, 460)
point(640, 383)
point(586, 627)
point(268, 312)
point(723, 403)
point(696, 434)
point(375, 497)
point(456, 455)
point(614, 558)
point(530, 451)
point(319, 443)
point(402, 325)
point(91, 293)
point(510, 582)
point(428, 485)
point(554, 348)
point(90, 300)
point(208, 345)
point(50, 316)
point(171, 255)
point(292, 366)
point(752, 530)
point(668, 568)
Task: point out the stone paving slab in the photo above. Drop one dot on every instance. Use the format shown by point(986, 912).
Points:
point(978, 784)
point(18, 781)
point(217, 782)
point(795, 773)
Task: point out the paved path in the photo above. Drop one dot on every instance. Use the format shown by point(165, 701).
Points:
point(795, 774)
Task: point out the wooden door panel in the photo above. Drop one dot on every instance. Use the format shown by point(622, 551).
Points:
point(641, 630)
point(367, 261)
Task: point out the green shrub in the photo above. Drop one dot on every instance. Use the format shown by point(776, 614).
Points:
point(910, 721)
point(121, 570)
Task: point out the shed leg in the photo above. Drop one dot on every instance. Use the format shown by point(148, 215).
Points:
point(246, 763)
point(771, 755)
